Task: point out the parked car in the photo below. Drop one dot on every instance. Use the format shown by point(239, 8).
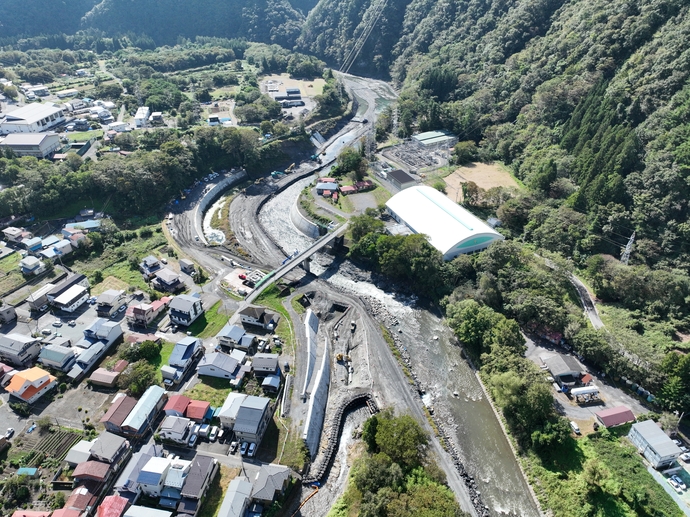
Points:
point(192, 440)
point(203, 430)
point(57, 323)
point(242, 276)
point(252, 450)
point(213, 434)
point(680, 482)
point(675, 485)
point(72, 323)
point(10, 433)
point(233, 447)
point(43, 308)
point(164, 261)
point(46, 332)
point(574, 427)
point(122, 309)
point(245, 446)
point(685, 457)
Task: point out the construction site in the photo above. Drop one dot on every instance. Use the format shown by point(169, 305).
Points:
point(420, 155)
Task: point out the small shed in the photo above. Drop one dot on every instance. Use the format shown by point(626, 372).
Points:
point(614, 416)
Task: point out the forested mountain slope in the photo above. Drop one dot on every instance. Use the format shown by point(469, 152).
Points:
point(588, 100)
point(163, 21)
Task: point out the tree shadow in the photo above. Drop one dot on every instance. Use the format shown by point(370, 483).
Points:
point(564, 458)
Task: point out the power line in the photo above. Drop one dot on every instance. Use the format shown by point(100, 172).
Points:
point(363, 37)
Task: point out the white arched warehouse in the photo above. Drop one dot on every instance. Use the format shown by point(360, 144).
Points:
point(450, 228)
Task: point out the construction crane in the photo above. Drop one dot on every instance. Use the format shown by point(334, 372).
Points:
point(363, 37)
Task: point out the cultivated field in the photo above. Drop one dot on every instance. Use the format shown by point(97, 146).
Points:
point(485, 175)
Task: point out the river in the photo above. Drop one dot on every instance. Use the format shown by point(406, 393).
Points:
point(485, 450)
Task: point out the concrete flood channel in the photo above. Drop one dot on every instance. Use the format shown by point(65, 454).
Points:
point(468, 418)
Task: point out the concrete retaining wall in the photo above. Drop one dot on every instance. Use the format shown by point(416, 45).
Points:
point(302, 224)
point(317, 406)
point(311, 327)
point(211, 198)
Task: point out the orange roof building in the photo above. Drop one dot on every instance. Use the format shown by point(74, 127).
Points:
point(197, 410)
point(30, 385)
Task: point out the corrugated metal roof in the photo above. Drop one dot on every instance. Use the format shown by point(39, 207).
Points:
point(146, 405)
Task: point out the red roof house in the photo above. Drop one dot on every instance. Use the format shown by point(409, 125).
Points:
point(66, 512)
point(348, 189)
point(112, 506)
point(176, 405)
point(327, 180)
point(197, 409)
point(615, 416)
point(94, 470)
point(29, 513)
point(80, 499)
point(120, 366)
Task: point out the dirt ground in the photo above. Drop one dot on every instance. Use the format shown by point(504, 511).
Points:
point(308, 88)
point(485, 175)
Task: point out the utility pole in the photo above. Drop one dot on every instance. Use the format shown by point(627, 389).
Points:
point(625, 257)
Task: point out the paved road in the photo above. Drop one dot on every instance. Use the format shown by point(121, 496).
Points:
point(587, 302)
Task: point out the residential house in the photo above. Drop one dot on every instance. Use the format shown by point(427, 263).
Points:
point(109, 302)
point(59, 249)
point(66, 512)
point(174, 481)
point(142, 116)
point(67, 283)
point(31, 265)
point(400, 179)
point(112, 506)
point(30, 513)
point(144, 313)
point(98, 338)
point(168, 281)
point(71, 299)
point(144, 413)
point(84, 497)
point(185, 309)
point(58, 357)
point(14, 234)
point(152, 476)
point(7, 313)
point(5, 373)
point(50, 241)
point(103, 330)
point(149, 266)
point(186, 351)
point(230, 408)
point(126, 485)
point(199, 411)
point(33, 244)
point(175, 428)
point(118, 412)
point(176, 405)
point(348, 189)
point(270, 482)
point(248, 344)
point(252, 419)
point(201, 473)
point(259, 317)
point(614, 416)
point(323, 186)
point(110, 448)
point(30, 385)
point(18, 349)
point(187, 266)
point(654, 444)
point(217, 364)
point(230, 335)
point(104, 377)
point(265, 364)
point(237, 498)
point(92, 471)
point(79, 453)
point(271, 384)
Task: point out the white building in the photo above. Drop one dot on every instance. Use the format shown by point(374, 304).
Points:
point(653, 444)
point(38, 145)
point(142, 116)
point(32, 118)
point(72, 299)
point(449, 227)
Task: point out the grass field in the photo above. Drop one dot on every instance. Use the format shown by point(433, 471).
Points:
point(109, 283)
point(210, 389)
point(209, 323)
point(216, 491)
point(82, 136)
point(294, 455)
point(162, 359)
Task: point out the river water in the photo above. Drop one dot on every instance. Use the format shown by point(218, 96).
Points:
point(474, 428)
